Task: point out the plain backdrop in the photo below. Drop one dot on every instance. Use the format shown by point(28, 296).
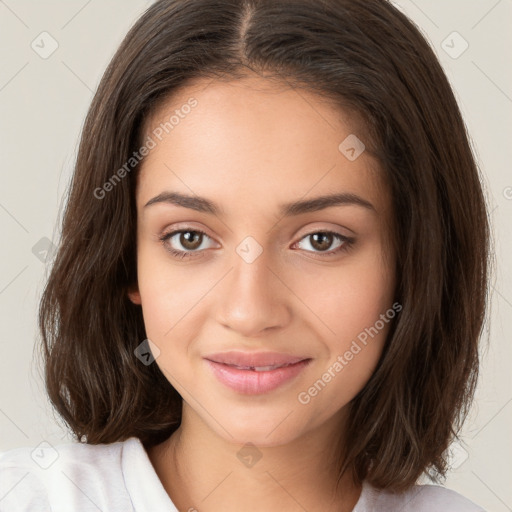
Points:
point(52, 57)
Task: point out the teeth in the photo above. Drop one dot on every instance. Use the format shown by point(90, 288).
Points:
point(261, 368)
point(257, 368)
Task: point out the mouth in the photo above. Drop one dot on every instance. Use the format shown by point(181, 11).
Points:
point(255, 373)
point(258, 368)
point(255, 360)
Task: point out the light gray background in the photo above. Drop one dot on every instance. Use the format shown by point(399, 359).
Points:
point(43, 102)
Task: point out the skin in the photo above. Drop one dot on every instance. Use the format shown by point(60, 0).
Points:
point(251, 145)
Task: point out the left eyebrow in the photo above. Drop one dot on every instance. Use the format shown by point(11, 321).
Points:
point(322, 202)
point(201, 204)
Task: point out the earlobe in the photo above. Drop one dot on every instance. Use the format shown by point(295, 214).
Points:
point(134, 295)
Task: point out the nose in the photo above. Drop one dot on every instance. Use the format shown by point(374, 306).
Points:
point(254, 298)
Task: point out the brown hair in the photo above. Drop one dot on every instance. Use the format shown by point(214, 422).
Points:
point(370, 59)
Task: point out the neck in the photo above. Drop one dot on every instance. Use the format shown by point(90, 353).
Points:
point(205, 472)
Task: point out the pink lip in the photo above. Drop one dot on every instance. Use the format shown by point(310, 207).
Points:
point(238, 358)
point(236, 370)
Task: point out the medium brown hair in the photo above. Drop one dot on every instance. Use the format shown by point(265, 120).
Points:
point(370, 59)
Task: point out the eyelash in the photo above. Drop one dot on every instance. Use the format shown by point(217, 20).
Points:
point(347, 242)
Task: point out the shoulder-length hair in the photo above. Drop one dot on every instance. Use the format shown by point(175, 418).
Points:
point(368, 58)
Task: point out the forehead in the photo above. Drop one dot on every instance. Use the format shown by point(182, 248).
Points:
point(223, 139)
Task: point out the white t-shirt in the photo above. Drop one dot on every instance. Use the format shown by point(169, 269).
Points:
point(120, 477)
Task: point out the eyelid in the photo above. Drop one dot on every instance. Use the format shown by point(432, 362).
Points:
point(319, 227)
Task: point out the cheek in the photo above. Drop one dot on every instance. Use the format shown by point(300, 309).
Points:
point(169, 291)
point(170, 311)
point(161, 295)
point(354, 312)
point(350, 298)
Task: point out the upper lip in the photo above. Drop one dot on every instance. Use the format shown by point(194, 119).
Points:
point(254, 359)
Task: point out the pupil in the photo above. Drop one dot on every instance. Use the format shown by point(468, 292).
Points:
point(189, 239)
point(326, 238)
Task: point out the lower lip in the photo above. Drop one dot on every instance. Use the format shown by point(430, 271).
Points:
point(251, 382)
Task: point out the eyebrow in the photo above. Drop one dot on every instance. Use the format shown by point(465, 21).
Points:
point(204, 205)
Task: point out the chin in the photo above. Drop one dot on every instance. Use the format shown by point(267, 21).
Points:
point(263, 429)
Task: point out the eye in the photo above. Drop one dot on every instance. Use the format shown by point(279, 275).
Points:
point(320, 241)
point(190, 239)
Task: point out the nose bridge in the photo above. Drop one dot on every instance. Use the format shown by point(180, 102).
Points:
point(252, 298)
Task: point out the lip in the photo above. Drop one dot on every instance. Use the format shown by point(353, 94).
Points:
point(257, 372)
point(252, 359)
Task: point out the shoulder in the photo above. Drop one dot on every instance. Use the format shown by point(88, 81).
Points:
point(419, 498)
point(48, 477)
point(424, 497)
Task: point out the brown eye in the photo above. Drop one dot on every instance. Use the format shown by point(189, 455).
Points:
point(185, 242)
point(322, 242)
point(189, 240)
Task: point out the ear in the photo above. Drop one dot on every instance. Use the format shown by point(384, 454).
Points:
point(134, 295)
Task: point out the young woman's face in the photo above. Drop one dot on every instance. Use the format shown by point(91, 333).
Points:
point(270, 322)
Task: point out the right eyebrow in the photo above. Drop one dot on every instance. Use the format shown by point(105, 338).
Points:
point(197, 203)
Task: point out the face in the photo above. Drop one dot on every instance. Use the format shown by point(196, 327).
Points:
point(267, 309)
